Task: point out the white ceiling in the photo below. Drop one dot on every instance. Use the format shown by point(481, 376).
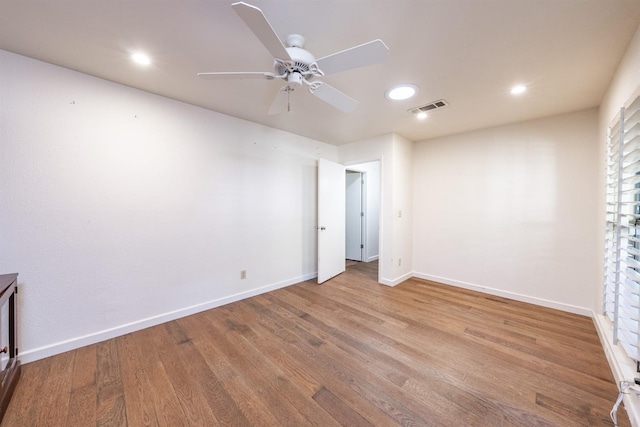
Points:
point(468, 52)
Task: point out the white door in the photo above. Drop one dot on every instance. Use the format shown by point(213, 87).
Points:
point(331, 208)
point(354, 217)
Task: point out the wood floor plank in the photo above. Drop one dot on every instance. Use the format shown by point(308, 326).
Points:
point(192, 401)
point(59, 391)
point(350, 352)
point(110, 410)
point(84, 367)
point(138, 403)
point(82, 407)
point(84, 394)
point(167, 408)
point(342, 413)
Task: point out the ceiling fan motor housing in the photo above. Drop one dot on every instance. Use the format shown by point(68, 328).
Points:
point(298, 68)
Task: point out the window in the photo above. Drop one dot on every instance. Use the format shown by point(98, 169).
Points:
point(621, 302)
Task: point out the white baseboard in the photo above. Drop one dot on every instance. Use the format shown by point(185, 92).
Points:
point(506, 294)
point(71, 344)
point(372, 258)
point(622, 366)
point(396, 281)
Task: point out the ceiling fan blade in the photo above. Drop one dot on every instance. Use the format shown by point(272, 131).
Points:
point(280, 101)
point(238, 75)
point(257, 22)
point(333, 97)
point(373, 52)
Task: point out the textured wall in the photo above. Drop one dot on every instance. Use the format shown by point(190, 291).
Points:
point(121, 209)
point(512, 210)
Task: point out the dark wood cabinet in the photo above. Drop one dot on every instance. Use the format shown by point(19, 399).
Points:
point(11, 370)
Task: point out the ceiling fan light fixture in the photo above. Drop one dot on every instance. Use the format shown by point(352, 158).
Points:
point(401, 92)
point(295, 78)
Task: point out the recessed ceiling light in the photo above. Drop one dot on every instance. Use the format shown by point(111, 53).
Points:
point(421, 115)
point(518, 89)
point(141, 58)
point(401, 92)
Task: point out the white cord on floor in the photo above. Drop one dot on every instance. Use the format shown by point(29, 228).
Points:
point(624, 386)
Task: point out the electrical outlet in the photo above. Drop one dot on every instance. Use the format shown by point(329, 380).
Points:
point(243, 274)
point(399, 262)
point(400, 213)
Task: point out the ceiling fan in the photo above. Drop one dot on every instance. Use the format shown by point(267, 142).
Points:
point(297, 66)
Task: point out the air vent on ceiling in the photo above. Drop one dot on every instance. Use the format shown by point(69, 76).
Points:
point(428, 107)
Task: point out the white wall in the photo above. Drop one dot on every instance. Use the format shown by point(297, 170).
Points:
point(372, 202)
point(395, 155)
point(511, 210)
point(121, 209)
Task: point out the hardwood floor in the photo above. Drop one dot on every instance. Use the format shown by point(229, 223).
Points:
point(350, 352)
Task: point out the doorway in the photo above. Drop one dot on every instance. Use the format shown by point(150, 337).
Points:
point(362, 211)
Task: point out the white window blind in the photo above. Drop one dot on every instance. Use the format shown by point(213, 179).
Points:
point(621, 302)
